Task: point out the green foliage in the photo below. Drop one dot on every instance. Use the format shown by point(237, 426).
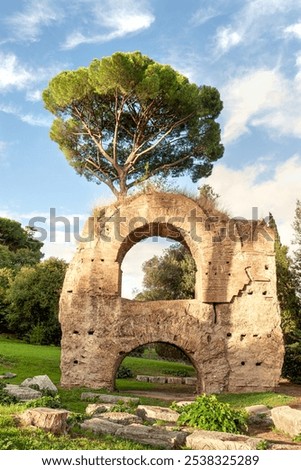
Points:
point(297, 252)
point(18, 248)
point(292, 360)
point(137, 352)
point(206, 412)
point(290, 306)
point(126, 118)
point(122, 407)
point(16, 238)
point(47, 401)
point(170, 276)
point(124, 373)
point(5, 398)
point(176, 373)
point(170, 352)
point(263, 445)
point(14, 438)
point(34, 297)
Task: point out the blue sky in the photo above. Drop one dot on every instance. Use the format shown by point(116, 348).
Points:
point(250, 50)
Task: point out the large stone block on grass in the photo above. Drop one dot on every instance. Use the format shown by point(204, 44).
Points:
point(287, 420)
point(259, 414)
point(98, 408)
point(22, 393)
point(48, 419)
point(211, 440)
point(174, 380)
point(43, 382)
point(86, 396)
point(153, 436)
point(142, 378)
point(121, 417)
point(157, 379)
point(101, 426)
point(154, 413)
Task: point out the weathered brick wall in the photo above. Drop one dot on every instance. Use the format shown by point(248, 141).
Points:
point(231, 331)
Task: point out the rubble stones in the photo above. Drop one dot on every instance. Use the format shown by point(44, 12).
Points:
point(43, 382)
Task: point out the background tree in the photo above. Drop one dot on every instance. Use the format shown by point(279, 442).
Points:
point(170, 276)
point(17, 248)
point(292, 325)
point(34, 298)
point(17, 245)
point(297, 252)
point(126, 118)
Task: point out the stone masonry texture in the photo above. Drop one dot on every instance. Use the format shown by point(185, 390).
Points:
point(231, 329)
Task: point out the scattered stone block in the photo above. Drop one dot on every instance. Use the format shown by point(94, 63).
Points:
point(154, 413)
point(185, 402)
point(101, 426)
point(174, 380)
point(190, 380)
point(212, 440)
point(142, 378)
point(22, 393)
point(121, 417)
point(153, 436)
point(98, 408)
point(41, 381)
point(157, 380)
point(287, 420)
point(48, 419)
point(8, 375)
point(259, 414)
point(107, 398)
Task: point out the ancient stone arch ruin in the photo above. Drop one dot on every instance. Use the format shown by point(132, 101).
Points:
point(230, 331)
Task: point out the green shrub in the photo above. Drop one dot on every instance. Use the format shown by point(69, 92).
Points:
point(176, 373)
point(47, 401)
point(121, 407)
point(124, 373)
point(206, 412)
point(170, 352)
point(5, 398)
point(292, 362)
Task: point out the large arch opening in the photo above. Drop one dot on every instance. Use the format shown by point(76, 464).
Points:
point(156, 263)
point(156, 368)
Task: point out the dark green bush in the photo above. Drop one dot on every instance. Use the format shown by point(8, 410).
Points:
point(5, 398)
point(292, 362)
point(206, 412)
point(176, 373)
point(170, 352)
point(124, 373)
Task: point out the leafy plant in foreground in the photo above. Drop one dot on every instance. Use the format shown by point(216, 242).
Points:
point(206, 412)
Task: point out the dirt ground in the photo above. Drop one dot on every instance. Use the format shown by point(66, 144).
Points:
point(276, 440)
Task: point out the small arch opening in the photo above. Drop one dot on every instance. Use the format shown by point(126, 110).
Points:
point(156, 367)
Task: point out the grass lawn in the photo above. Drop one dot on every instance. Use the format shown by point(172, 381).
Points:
point(28, 360)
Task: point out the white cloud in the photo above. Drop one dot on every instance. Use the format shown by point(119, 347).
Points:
point(28, 118)
point(13, 74)
point(255, 19)
point(27, 25)
point(244, 97)
point(3, 156)
point(294, 30)
point(38, 120)
point(263, 98)
point(34, 95)
point(245, 188)
point(116, 19)
point(202, 15)
point(227, 38)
